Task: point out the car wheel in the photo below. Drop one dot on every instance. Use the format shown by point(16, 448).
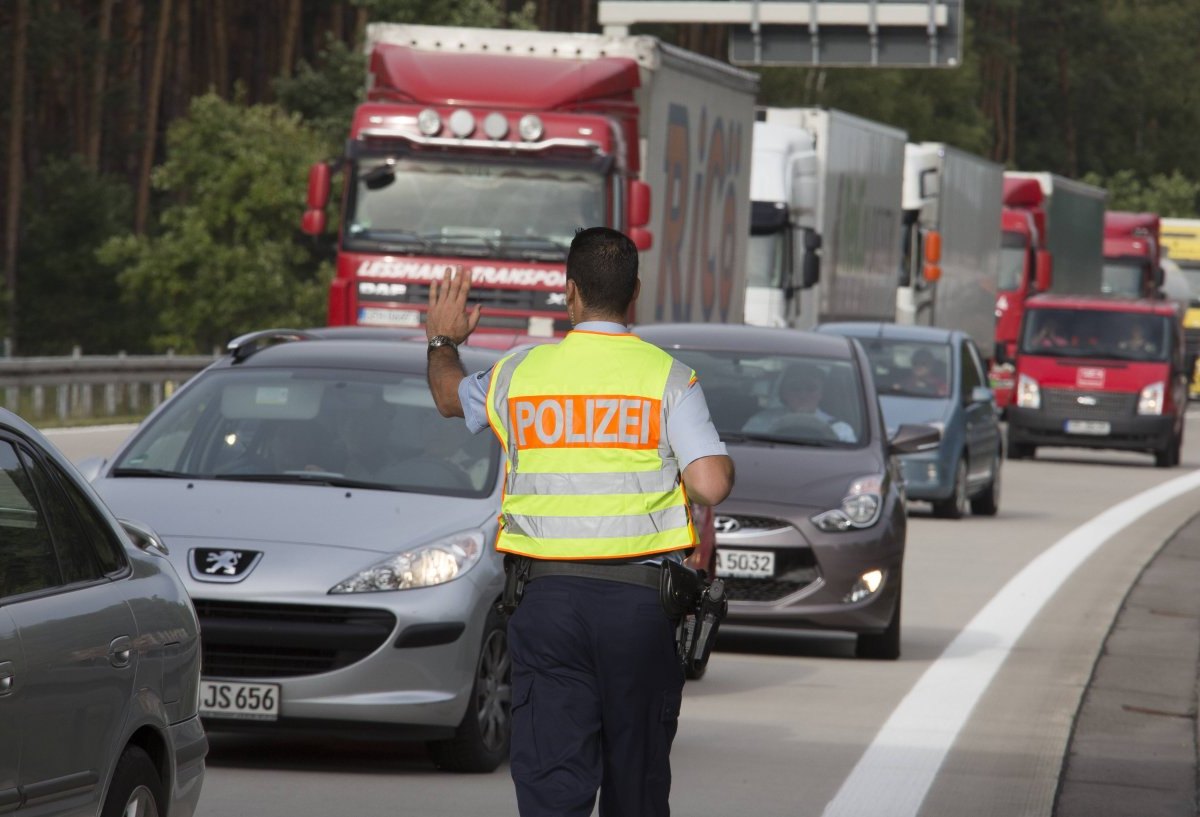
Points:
point(884, 646)
point(956, 506)
point(1020, 451)
point(987, 503)
point(480, 743)
point(136, 789)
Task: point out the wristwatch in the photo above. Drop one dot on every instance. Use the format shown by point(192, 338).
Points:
point(442, 340)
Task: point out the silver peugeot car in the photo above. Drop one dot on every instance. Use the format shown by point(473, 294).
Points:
point(336, 536)
point(99, 650)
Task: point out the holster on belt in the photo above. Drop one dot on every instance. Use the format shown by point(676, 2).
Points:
point(516, 575)
point(697, 606)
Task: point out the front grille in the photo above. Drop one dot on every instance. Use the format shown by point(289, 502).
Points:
point(252, 640)
point(755, 523)
point(795, 569)
point(525, 300)
point(1107, 405)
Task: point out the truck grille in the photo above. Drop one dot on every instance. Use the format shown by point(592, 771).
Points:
point(795, 569)
point(252, 640)
point(523, 302)
point(1096, 405)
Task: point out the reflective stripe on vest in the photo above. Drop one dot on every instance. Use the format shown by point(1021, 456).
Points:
point(589, 472)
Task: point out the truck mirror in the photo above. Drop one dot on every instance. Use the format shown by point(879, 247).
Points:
point(933, 247)
point(812, 241)
point(931, 273)
point(642, 238)
point(639, 205)
point(313, 222)
point(1159, 277)
point(318, 186)
point(810, 271)
point(1044, 274)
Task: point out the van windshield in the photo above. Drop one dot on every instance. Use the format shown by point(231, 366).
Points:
point(1096, 334)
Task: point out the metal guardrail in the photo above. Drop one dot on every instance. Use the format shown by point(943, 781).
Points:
point(89, 387)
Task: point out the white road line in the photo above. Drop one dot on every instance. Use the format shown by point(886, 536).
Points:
point(895, 773)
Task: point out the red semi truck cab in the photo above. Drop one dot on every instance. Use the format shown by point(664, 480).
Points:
point(490, 148)
point(1132, 255)
point(1100, 372)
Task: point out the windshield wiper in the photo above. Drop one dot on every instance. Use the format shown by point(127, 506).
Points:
point(304, 477)
point(744, 437)
point(457, 239)
point(150, 472)
point(393, 240)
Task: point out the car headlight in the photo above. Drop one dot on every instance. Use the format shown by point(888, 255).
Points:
point(435, 563)
point(1029, 395)
point(1150, 401)
point(860, 507)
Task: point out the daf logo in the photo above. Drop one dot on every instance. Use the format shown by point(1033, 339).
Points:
point(726, 524)
point(219, 565)
point(1085, 400)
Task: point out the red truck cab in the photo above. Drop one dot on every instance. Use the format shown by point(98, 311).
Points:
point(1100, 372)
point(1132, 255)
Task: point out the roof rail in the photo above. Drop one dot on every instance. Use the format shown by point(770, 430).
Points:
point(244, 346)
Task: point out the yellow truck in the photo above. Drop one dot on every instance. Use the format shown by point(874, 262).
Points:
point(1181, 240)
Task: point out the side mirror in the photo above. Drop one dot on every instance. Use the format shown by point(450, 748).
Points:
point(642, 238)
point(91, 467)
point(810, 266)
point(913, 437)
point(639, 204)
point(313, 222)
point(1044, 274)
point(144, 537)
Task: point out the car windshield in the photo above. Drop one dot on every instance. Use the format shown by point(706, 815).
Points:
point(785, 399)
point(909, 368)
point(1100, 333)
point(435, 207)
point(356, 429)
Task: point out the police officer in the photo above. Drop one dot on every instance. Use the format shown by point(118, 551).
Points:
point(603, 433)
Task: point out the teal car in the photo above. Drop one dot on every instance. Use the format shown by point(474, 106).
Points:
point(937, 376)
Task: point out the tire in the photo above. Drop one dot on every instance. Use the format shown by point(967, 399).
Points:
point(136, 789)
point(480, 744)
point(956, 506)
point(987, 502)
point(1021, 451)
point(884, 646)
point(1169, 456)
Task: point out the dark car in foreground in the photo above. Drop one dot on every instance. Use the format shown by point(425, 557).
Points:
point(813, 534)
point(99, 650)
point(336, 535)
point(926, 374)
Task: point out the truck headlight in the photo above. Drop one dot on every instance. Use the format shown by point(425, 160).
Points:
point(860, 507)
point(1150, 401)
point(435, 563)
point(1029, 395)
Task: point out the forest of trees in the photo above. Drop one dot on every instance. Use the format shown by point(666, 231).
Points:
point(155, 151)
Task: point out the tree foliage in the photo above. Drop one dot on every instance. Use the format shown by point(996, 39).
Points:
point(227, 258)
point(1173, 196)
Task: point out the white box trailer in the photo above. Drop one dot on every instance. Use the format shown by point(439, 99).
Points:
point(955, 196)
point(825, 218)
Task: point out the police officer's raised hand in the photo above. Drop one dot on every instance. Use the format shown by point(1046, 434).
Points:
point(447, 313)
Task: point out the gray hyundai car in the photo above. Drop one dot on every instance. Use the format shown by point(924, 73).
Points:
point(99, 650)
point(336, 536)
point(813, 534)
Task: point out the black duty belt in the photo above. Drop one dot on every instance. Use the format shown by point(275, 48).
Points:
point(642, 575)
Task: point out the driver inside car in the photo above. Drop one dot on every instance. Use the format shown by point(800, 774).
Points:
point(801, 389)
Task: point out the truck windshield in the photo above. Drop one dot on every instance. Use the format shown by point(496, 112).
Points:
point(1012, 262)
point(1191, 273)
point(1096, 334)
point(764, 260)
point(498, 210)
point(1123, 278)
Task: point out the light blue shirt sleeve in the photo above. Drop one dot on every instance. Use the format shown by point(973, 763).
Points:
point(472, 393)
point(690, 429)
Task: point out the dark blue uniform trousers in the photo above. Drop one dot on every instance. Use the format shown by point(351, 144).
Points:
point(596, 695)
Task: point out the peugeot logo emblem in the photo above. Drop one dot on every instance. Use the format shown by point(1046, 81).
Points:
point(1085, 400)
point(726, 524)
point(221, 564)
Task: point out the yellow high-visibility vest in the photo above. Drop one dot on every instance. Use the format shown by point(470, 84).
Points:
point(589, 472)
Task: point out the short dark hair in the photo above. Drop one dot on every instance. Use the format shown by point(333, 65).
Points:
point(603, 263)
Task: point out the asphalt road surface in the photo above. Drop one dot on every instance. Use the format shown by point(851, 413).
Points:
point(1003, 619)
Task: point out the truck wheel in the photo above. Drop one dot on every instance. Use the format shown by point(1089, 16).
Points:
point(955, 507)
point(883, 646)
point(480, 743)
point(987, 503)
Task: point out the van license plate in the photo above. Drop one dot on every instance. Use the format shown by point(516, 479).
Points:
point(1096, 428)
point(233, 699)
point(745, 564)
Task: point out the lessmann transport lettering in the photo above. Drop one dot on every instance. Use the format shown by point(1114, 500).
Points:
point(576, 421)
point(504, 276)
